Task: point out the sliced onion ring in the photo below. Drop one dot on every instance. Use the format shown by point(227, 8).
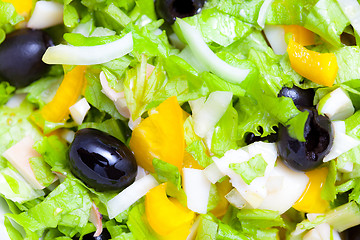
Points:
point(88, 55)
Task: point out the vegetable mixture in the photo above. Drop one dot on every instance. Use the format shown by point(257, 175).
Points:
point(180, 119)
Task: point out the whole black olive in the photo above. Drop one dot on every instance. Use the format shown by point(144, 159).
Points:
point(307, 155)
point(105, 235)
point(101, 161)
point(301, 97)
point(21, 56)
point(169, 10)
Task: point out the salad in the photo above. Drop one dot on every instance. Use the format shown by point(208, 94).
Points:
point(180, 119)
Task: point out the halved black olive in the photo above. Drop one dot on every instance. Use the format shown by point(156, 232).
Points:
point(301, 97)
point(169, 10)
point(21, 56)
point(307, 155)
point(105, 235)
point(101, 161)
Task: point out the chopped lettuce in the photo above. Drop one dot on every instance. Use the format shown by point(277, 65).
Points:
point(225, 133)
point(327, 20)
point(6, 91)
point(166, 172)
point(140, 89)
point(198, 152)
point(251, 169)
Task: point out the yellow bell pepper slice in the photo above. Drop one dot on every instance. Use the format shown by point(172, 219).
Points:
point(22, 7)
point(223, 188)
point(57, 110)
point(161, 135)
point(320, 68)
point(310, 201)
point(165, 215)
point(300, 34)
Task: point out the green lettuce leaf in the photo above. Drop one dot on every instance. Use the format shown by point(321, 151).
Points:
point(138, 223)
point(225, 133)
point(251, 169)
point(77, 39)
point(96, 98)
point(247, 11)
point(14, 187)
point(42, 171)
point(328, 191)
point(327, 20)
point(207, 228)
point(54, 152)
point(15, 125)
point(288, 12)
point(68, 205)
point(41, 91)
point(198, 152)
point(139, 89)
point(166, 172)
point(8, 18)
point(111, 126)
point(6, 91)
point(219, 27)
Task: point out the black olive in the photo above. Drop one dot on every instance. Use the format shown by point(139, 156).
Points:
point(101, 161)
point(21, 56)
point(301, 97)
point(251, 137)
point(105, 235)
point(353, 233)
point(307, 155)
point(169, 10)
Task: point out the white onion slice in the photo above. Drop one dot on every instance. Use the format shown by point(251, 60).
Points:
point(194, 229)
point(16, 100)
point(293, 185)
point(89, 55)
point(46, 14)
point(235, 199)
point(211, 112)
point(130, 195)
point(204, 54)
point(213, 173)
point(351, 9)
point(197, 189)
point(262, 13)
point(342, 142)
point(275, 34)
point(79, 110)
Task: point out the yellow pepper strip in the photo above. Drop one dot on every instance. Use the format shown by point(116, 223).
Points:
point(223, 188)
point(300, 34)
point(57, 110)
point(22, 7)
point(310, 201)
point(320, 68)
point(161, 135)
point(167, 215)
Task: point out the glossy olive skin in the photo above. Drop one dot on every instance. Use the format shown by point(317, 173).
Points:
point(301, 97)
point(251, 137)
point(101, 161)
point(169, 10)
point(307, 155)
point(353, 233)
point(105, 235)
point(21, 56)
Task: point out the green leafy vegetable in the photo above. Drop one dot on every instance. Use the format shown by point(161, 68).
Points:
point(251, 169)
